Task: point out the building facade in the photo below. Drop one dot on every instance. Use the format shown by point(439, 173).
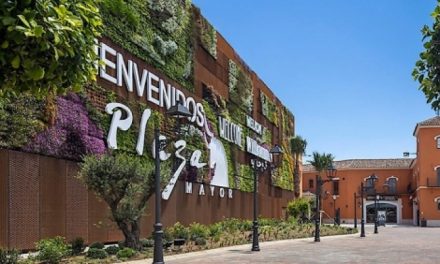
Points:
point(407, 191)
point(172, 55)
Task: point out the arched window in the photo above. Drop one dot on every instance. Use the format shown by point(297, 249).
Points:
point(437, 201)
point(437, 140)
point(437, 169)
point(392, 185)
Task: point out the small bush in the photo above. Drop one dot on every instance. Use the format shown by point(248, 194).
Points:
point(96, 253)
point(97, 245)
point(121, 244)
point(112, 250)
point(197, 230)
point(8, 256)
point(77, 245)
point(200, 241)
point(299, 208)
point(147, 243)
point(214, 230)
point(179, 231)
point(52, 250)
point(126, 253)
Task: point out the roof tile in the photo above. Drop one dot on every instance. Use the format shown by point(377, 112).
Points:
point(367, 164)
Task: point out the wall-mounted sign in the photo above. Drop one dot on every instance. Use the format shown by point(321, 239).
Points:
point(254, 125)
point(155, 89)
point(229, 131)
point(256, 149)
point(210, 190)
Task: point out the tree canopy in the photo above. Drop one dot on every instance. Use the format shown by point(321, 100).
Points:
point(125, 183)
point(321, 161)
point(427, 68)
point(47, 46)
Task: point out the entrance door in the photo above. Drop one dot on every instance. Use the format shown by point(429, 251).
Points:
point(389, 210)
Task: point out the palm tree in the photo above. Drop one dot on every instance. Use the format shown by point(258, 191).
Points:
point(321, 161)
point(298, 148)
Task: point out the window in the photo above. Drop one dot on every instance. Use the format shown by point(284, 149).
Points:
point(336, 187)
point(438, 176)
point(438, 142)
point(392, 185)
point(369, 183)
point(438, 205)
point(311, 184)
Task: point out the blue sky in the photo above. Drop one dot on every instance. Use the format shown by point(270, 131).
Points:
point(342, 67)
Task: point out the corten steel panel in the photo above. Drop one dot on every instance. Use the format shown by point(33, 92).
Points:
point(76, 204)
point(208, 78)
point(113, 233)
point(98, 216)
point(4, 199)
point(24, 205)
point(147, 219)
point(52, 197)
point(170, 208)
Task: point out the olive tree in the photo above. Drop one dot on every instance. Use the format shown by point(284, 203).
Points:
point(125, 183)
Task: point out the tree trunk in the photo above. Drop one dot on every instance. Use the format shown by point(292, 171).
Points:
point(131, 234)
point(296, 180)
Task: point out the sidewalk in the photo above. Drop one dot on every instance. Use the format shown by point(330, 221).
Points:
point(243, 249)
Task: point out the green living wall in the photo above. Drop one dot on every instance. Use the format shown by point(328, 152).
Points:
point(163, 33)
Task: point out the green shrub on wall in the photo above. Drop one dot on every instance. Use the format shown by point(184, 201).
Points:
point(240, 87)
point(21, 116)
point(208, 36)
point(47, 46)
point(269, 108)
point(161, 32)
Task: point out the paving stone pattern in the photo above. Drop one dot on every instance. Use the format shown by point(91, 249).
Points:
point(393, 244)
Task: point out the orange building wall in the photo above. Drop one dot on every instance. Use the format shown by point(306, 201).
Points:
point(428, 156)
point(350, 181)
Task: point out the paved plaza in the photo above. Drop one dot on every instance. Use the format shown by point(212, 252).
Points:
point(393, 244)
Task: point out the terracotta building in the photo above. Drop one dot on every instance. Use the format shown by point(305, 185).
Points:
point(407, 191)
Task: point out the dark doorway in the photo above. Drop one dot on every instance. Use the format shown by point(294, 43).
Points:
point(390, 212)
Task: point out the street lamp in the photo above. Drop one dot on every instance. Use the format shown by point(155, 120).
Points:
point(178, 111)
point(331, 176)
point(376, 222)
point(371, 180)
point(334, 208)
point(275, 151)
point(355, 214)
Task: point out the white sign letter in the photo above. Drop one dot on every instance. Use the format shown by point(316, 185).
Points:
point(117, 122)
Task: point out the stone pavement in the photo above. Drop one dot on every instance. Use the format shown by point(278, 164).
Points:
point(393, 244)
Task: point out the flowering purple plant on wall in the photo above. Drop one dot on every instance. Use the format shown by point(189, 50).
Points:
point(73, 133)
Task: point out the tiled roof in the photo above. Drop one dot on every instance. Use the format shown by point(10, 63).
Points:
point(435, 121)
point(366, 164)
point(432, 122)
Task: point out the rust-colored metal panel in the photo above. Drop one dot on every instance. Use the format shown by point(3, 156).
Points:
point(4, 199)
point(24, 205)
point(76, 205)
point(98, 219)
point(52, 197)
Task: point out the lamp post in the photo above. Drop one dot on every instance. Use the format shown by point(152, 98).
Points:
point(376, 223)
point(371, 182)
point(331, 176)
point(334, 208)
point(355, 206)
point(362, 210)
point(373, 179)
point(178, 111)
point(275, 151)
